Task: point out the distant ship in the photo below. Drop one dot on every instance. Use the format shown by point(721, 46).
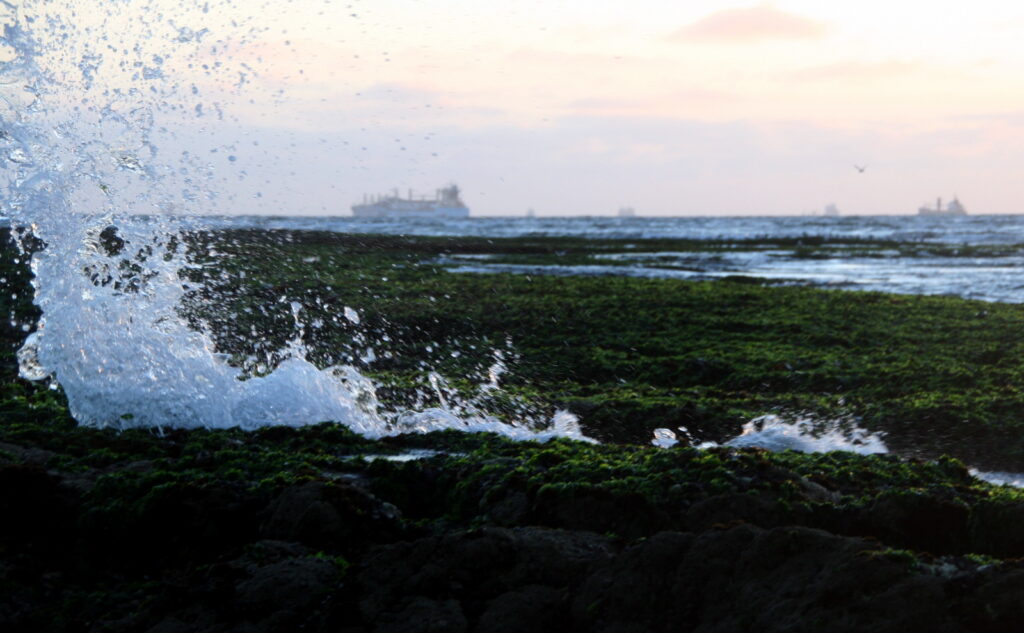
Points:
point(831, 211)
point(627, 212)
point(445, 204)
point(954, 208)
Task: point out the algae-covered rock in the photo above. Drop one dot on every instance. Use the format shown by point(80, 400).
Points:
point(288, 529)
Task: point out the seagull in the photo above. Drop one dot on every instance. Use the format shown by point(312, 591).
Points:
point(859, 168)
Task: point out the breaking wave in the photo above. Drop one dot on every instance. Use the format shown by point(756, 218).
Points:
point(98, 127)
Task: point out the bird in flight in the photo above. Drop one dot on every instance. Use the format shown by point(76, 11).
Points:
point(859, 168)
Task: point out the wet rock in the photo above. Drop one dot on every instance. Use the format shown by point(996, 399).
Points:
point(293, 586)
point(922, 522)
point(556, 557)
point(749, 579)
point(172, 625)
point(533, 608)
point(475, 567)
point(733, 508)
point(510, 510)
point(584, 507)
point(995, 529)
point(996, 605)
point(631, 588)
point(335, 516)
point(111, 243)
point(423, 615)
point(815, 492)
point(25, 455)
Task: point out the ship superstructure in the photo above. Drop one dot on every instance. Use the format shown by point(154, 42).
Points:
point(446, 203)
point(953, 208)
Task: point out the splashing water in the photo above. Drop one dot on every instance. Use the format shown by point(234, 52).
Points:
point(95, 168)
point(999, 478)
point(806, 435)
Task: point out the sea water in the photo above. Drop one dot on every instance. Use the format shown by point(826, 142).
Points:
point(996, 276)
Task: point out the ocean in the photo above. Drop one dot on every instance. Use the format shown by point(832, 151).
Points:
point(993, 273)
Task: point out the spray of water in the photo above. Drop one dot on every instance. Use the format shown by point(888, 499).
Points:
point(96, 165)
point(806, 434)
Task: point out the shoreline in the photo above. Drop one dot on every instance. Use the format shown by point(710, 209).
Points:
point(281, 528)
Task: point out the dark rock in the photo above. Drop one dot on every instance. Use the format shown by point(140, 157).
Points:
point(179, 523)
point(923, 522)
point(293, 585)
point(422, 615)
point(111, 243)
point(815, 492)
point(996, 605)
point(995, 529)
point(533, 608)
point(334, 516)
point(556, 557)
point(749, 579)
point(39, 514)
point(583, 507)
point(172, 625)
point(26, 455)
point(632, 587)
point(732, 508)
point(475, 567)
point(510, 510)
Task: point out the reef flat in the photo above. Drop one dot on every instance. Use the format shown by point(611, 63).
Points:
point(938, 375)
point(319, 529)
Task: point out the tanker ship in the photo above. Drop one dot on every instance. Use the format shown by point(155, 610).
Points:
point(445, 204)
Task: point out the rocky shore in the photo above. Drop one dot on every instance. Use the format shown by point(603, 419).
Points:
point(318, 529)
point(287, 530)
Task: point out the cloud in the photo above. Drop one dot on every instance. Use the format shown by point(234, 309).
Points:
point(753, 24)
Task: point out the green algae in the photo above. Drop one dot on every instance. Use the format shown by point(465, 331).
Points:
point(936, 374)
point(629, 356)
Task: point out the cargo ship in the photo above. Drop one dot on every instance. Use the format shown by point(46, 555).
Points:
point(445, 204)
point(953, 208)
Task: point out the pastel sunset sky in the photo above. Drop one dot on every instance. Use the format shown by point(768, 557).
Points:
point(573, 107)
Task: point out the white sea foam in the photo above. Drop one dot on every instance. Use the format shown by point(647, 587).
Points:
point(805, 434)
point(664, 438)
point(808, 435)
point(1000, 478)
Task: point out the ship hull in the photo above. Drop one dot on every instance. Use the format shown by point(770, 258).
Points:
point(374, 211)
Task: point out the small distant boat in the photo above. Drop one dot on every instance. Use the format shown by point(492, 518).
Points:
point(953, 208)
point(530, 213)
point(831, 211)
point(627, 212)
point(445, 204)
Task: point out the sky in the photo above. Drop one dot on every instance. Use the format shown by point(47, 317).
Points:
point(572, 107)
